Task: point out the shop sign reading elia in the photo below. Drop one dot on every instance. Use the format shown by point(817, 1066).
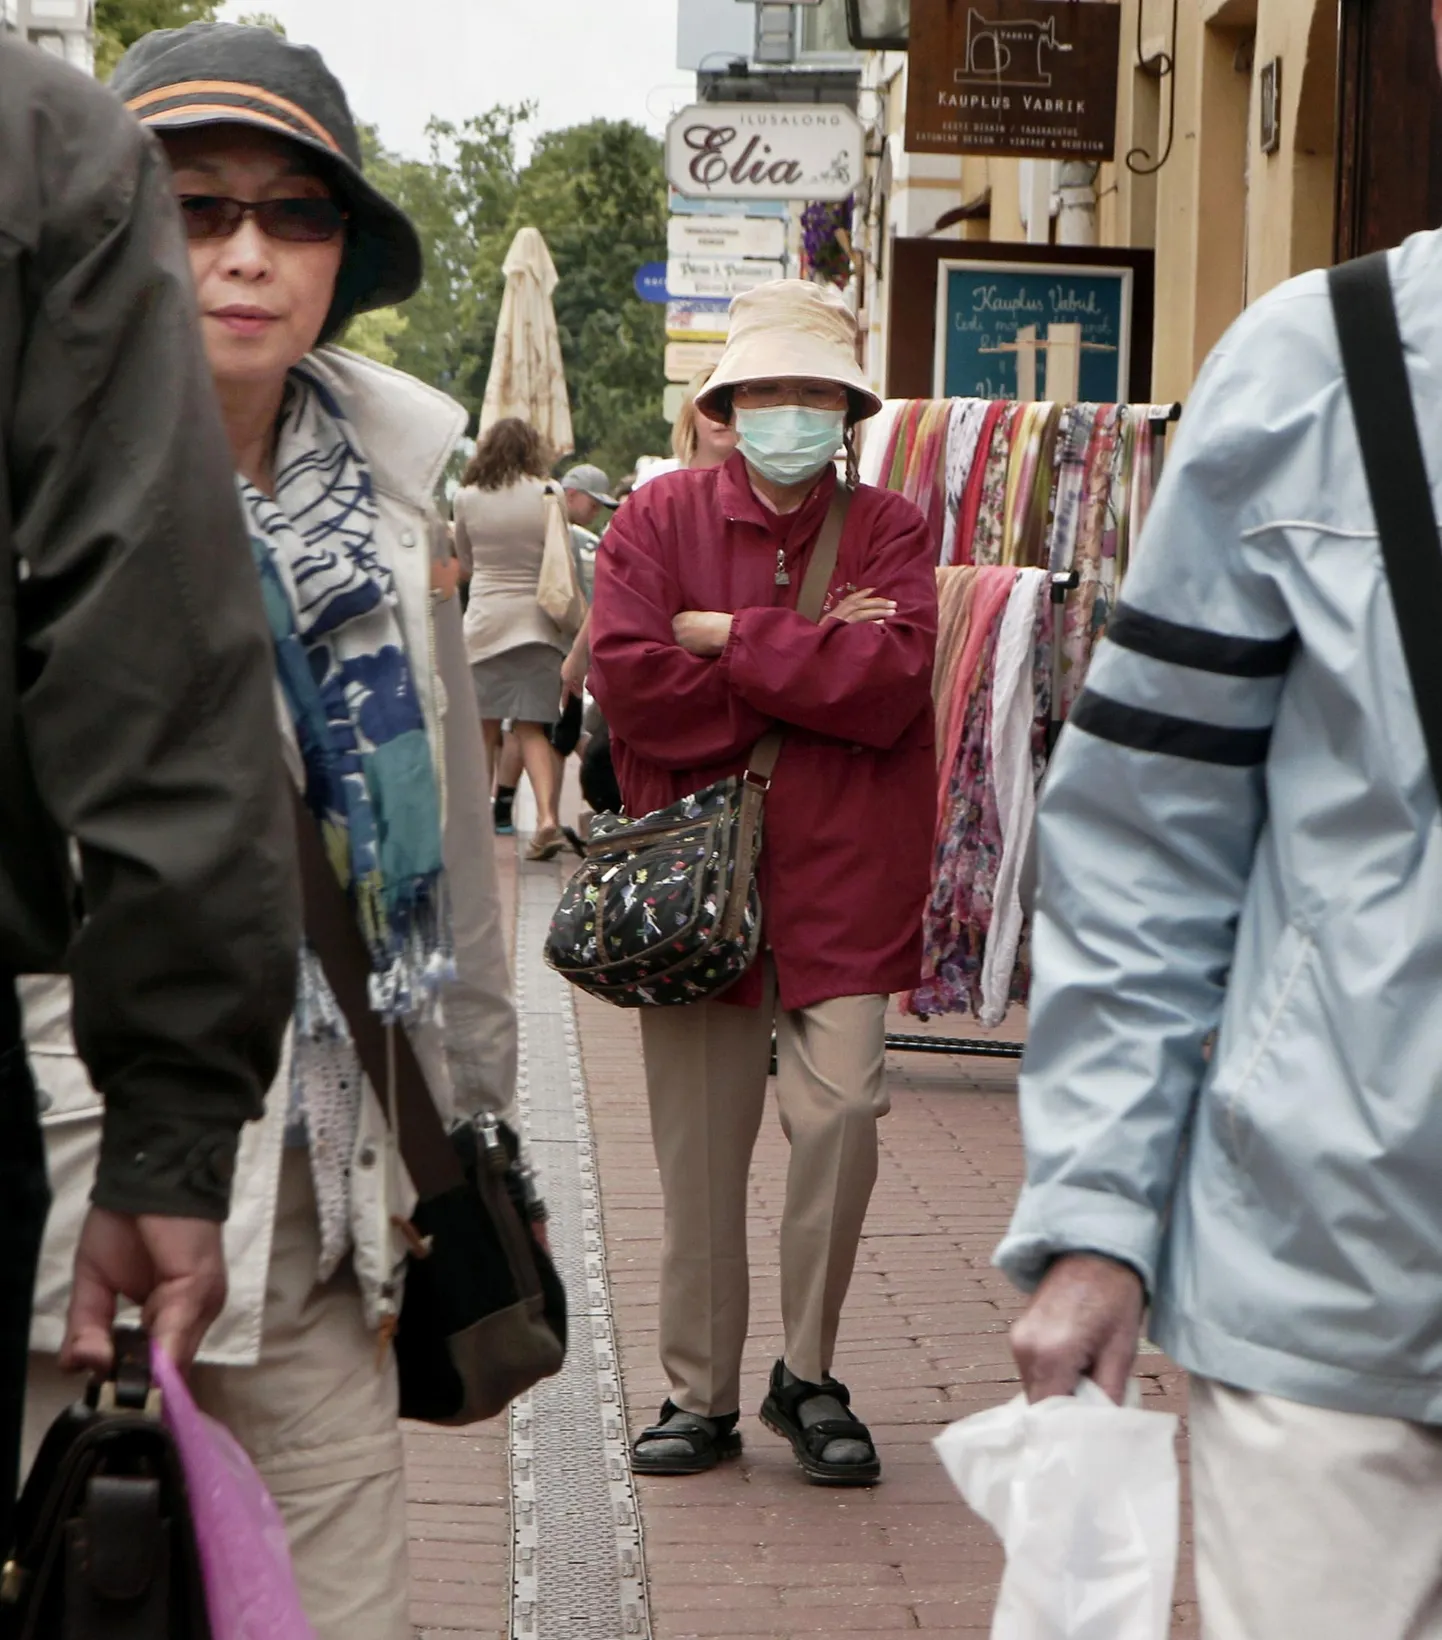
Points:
point(746, 151)
point(1036, 78)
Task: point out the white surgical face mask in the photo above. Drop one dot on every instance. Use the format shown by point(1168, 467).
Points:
point(789, 444)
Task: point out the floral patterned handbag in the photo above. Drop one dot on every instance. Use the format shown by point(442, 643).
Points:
point(665, 910)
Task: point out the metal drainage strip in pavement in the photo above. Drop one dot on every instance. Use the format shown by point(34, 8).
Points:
point(577, 1563)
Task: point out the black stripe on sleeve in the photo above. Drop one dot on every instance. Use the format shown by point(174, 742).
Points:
point(1199, 649)
point(1145, 731)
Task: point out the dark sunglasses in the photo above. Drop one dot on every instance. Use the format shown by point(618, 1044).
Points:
point(298, 221)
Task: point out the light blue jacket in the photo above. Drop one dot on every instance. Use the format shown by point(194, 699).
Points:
point(1240, 836)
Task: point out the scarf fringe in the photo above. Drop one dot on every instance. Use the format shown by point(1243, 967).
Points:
point(405, 985)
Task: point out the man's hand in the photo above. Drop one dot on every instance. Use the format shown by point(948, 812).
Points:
point(173, 1268)
point(701, 633)
point(1084, 1321)
point(864, 605)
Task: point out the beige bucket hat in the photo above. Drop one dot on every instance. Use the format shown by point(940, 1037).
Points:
point(790, 327)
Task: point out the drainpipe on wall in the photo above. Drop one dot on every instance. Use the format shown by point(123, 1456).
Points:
point(1077, 189)
point(1036, 183)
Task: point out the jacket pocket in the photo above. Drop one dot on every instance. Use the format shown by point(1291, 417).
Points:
point(1263, 1023)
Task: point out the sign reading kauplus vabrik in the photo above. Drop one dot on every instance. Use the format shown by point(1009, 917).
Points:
point(747, 151)
point(1035, 78)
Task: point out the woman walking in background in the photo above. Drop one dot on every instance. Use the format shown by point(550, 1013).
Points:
point(515, 648)
point(696, 440)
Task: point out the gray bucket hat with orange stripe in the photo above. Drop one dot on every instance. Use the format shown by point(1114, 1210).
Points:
point(232, 74)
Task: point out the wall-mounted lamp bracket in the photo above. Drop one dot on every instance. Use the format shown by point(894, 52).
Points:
point(1159, 66)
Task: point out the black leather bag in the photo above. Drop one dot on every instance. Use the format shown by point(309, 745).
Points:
point(484, 1316)
point(104, 1547)
point(665, 911)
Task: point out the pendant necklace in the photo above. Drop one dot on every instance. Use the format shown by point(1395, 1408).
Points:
point(783, 579)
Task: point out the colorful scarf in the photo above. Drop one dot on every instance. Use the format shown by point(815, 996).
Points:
point(347, 680)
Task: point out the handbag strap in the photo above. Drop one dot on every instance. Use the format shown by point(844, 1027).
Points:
point(1386, 417)
point(385, 1052)
point(762, 763)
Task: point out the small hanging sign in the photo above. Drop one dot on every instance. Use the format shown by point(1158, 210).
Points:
point(1029, 78)
point(1271, 101)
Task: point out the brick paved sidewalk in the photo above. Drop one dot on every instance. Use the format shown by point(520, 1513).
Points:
point(752, 1549)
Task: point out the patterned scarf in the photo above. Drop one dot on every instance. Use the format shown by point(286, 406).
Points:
point(347, 680)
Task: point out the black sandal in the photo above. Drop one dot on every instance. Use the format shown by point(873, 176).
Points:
point(781, 1413)
point(710, 1440)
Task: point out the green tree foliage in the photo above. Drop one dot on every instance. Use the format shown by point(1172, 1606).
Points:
point(263, 19)
point(120, 23)
point(377, 334)
point(460, 198)
point(597, 192)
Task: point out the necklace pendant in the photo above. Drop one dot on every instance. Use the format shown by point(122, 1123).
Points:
point(782, 578)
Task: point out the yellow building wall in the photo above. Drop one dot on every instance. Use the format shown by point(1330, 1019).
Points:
point(1227, 221)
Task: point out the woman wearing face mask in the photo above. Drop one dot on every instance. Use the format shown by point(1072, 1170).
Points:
point(337, 460)
point(698, 651)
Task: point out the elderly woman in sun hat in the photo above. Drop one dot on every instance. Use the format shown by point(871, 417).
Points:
point(337, 461)
point(698, 651)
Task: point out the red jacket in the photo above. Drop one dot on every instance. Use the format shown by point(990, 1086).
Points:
point(846, 861)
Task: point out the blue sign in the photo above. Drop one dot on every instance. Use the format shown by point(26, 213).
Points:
point(983, 305)
point(650, 282)
point(685, 205)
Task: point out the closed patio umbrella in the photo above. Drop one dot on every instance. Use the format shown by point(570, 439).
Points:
point(528, 378)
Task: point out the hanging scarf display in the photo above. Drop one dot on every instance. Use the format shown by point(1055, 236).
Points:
point(347, 681)
point(1015, 494)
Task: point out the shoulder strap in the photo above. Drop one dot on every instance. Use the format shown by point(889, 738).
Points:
point(819, 571)
point(386, 1055)
point(1376, 370)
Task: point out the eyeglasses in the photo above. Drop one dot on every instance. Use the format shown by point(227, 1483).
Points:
point(296, 221)
point(770, 395)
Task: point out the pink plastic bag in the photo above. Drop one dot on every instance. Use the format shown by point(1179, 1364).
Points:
point(250, 1590)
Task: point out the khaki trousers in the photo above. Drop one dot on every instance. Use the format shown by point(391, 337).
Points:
point(1311, 1524)
point(706, 1073)
point(319, 1421)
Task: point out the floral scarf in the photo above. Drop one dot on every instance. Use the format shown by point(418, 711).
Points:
point(347, 680)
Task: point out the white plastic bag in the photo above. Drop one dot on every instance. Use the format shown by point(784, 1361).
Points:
point(1084, 1496)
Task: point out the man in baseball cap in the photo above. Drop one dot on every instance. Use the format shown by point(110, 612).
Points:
point(588, 490)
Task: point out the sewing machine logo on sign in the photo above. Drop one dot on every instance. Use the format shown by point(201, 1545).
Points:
point(1000, 53)
point(1024, 77)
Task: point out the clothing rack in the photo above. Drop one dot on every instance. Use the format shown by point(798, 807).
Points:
point(981, 1047)
point(985, 1047)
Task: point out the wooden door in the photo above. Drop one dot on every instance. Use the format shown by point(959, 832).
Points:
point(1389, 127)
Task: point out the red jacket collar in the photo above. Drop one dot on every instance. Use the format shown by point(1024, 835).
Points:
point(740, 503)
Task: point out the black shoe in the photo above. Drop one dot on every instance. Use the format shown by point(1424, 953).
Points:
point(709, 1441)
point(781, 1413)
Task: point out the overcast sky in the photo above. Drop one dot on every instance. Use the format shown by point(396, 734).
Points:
point(403, 60)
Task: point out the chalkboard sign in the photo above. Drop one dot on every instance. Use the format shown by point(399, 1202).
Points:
point(983, 305)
